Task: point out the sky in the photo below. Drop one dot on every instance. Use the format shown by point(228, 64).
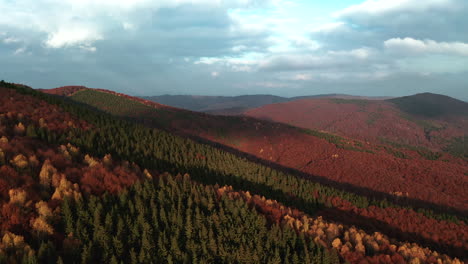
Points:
point(234, 47)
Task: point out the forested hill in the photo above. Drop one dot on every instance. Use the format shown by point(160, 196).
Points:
point(355, 165)
point(80, 186)
point(431, 105)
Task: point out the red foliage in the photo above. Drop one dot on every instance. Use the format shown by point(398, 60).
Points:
point(14, 218)
point(34, 109)
point(368, 121)
point(8, 179)
point(402, 224)
point(97, 179)
point(64, 90)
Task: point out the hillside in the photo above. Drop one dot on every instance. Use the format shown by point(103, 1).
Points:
point(192, 217)
point(331, 157)
point(62, 201)
point(392, 122)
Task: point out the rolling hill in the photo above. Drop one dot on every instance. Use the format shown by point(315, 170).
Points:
point(233, 105)
point(422, 174)
point(421, 121)
point(80, 185)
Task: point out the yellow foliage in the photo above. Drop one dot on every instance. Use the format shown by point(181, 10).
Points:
point(47, 170)
point(66, 188)
point(19, 129)
point(56, 178)
point(11, 240)
point(43, 210)
point(4, 140)
point(20, 161)
point(17, 196)
point(2, 157)
point(90, 161)
point(41, 225)
point(360, 248)
point(72, 149)
point(147, 174)
point(336, 243)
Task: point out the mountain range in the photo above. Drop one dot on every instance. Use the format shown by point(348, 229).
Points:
point(229, 105)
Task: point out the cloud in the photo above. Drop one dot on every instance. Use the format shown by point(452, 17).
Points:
point(360, 53)
point(80, 23)
point(389, 7)
point(302, 77)
point(439, 20)
point(77, 36)
point(329, 60)
point(415, 46)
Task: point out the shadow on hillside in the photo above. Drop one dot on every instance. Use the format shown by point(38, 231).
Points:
point(370, 225)
point(369, 193)
point(208, 176)
point(364, 191)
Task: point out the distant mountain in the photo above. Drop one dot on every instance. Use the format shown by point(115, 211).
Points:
point(232, 105)
point(210, 103)
point(431, 105)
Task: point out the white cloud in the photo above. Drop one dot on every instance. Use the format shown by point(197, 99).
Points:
point(361, 53)
point(385, 7)
point(72, 36)
point(415, 46)
point(82, 22)
point(245, 63)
